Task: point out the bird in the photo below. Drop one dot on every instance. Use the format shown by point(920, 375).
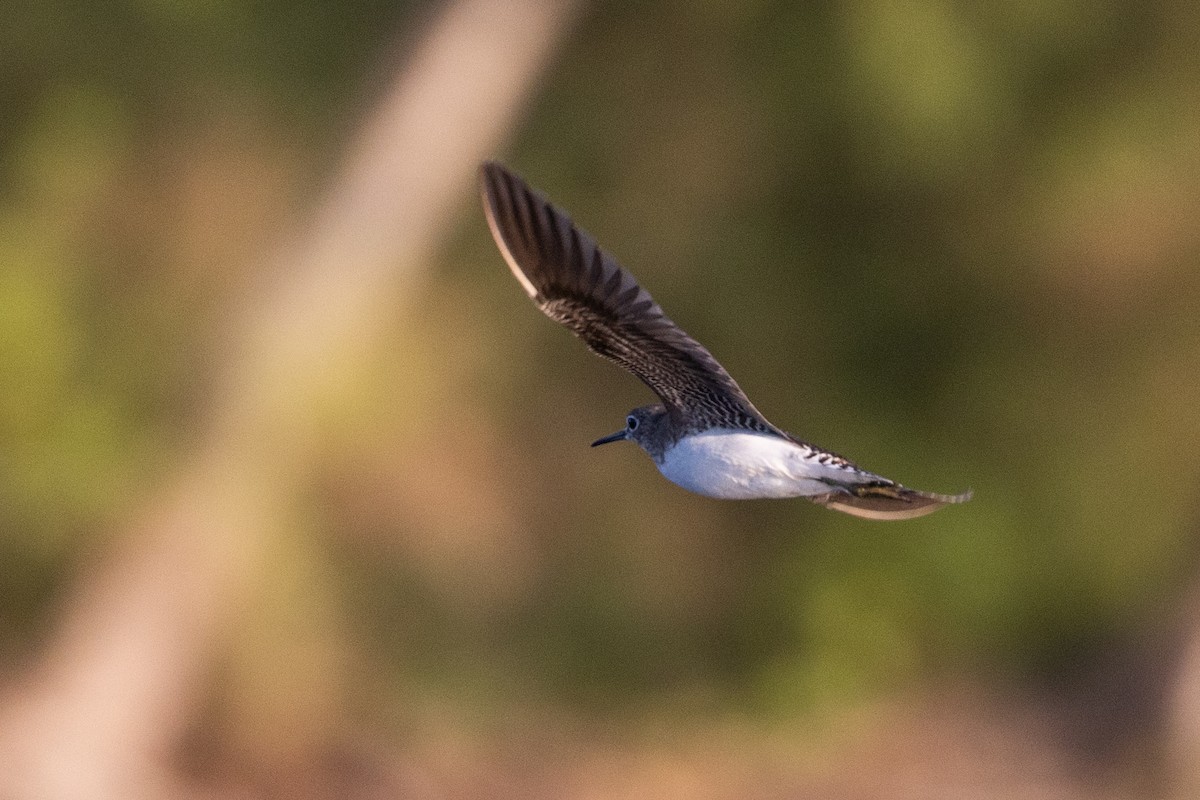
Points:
point(704, 435)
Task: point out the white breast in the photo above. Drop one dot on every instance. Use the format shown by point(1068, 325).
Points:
point(739, 465)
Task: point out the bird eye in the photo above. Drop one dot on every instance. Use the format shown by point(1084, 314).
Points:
point(631, 422)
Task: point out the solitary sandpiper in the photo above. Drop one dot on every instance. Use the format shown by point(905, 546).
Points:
point(705, 435)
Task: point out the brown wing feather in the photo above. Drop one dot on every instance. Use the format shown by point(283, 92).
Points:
point(579, 285)
point(887, 500)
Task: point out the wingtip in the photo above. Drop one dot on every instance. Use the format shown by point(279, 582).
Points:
point(490, 175)
point(489, 169)
point(493, 180)
point(496, 183)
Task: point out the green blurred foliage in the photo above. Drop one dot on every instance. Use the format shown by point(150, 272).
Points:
point(956, 243)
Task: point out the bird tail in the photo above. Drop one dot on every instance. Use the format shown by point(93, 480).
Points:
point(887, 501)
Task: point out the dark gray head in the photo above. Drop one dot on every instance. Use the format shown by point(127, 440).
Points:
point(649, 426)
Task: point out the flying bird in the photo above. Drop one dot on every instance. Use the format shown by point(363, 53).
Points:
point(705, 435)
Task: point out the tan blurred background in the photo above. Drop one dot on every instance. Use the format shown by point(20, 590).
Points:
point(295, 492)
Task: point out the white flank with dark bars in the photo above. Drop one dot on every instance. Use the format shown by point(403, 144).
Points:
point(705, 435)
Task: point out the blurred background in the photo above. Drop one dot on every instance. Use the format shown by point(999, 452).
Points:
point(295, 492)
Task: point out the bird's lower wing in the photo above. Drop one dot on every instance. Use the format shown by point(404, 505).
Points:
point(887, 501)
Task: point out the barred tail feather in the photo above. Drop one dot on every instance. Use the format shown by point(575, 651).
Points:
point(887, 501)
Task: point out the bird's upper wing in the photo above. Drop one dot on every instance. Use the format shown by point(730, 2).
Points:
point(576, 283)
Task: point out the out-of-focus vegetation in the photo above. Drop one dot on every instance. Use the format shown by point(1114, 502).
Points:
point(958, 244)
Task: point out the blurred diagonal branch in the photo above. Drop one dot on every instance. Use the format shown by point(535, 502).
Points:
point(108, 700)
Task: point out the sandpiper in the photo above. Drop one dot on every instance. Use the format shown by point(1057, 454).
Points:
point(705, 435)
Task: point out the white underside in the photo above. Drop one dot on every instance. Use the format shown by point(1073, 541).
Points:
point(737, 465)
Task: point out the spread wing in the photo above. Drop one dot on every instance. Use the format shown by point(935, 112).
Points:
point(576, 283)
